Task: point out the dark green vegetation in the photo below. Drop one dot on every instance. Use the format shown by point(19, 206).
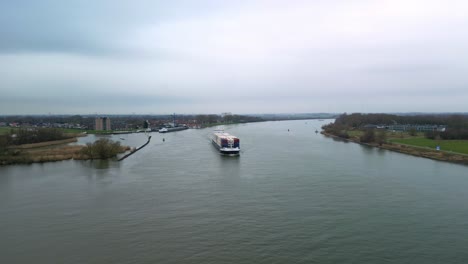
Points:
point(28, 136)
point(358, 119)
point(20, 136)
point(102, 149)
point(457, 125)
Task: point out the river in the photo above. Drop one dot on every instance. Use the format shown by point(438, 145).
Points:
point(290, 197)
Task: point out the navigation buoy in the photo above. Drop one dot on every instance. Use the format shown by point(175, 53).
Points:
point(288, 129)
point(164, 139)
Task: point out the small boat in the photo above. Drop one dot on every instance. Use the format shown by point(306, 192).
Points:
point(226, 144)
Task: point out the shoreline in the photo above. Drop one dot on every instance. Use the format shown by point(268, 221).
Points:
point(48, 151)
point(416, 151)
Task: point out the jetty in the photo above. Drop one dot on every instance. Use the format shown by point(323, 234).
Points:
point(137, 149)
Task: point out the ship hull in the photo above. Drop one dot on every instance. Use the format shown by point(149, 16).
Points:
point(226, 151)
point(226, 144)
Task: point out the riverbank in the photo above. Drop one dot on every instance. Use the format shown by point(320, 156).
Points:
point(49, 151)
point(412, 150)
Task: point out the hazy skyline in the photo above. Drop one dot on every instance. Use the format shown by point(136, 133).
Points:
point(158, 57)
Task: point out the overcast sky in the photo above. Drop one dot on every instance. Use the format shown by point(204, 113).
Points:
point(201, 56)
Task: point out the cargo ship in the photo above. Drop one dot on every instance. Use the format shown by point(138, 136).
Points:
point(226, 144)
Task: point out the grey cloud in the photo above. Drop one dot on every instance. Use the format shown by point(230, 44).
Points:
point(84, 26)
point(407, 68)
point(239, 56)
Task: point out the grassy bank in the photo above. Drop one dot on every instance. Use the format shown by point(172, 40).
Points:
point(458, 146)
point(418, 140)
point(57, 150)
point(394, 144)
point(23, 155)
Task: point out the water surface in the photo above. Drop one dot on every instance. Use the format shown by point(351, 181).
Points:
point(291, 197)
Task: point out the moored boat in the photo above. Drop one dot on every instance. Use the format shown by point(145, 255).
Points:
point(172, 129)
point(226, 143)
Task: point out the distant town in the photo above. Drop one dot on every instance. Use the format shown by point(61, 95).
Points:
point(116, 123)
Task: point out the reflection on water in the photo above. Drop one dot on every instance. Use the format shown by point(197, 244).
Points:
point(101, 164)
point(231, 165)
point(337, 139)
point(381, 152)
point(367, 149)
point(5, 180)
point(373, 150)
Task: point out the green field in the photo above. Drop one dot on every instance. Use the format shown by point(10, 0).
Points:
point(355, 133)
point(4, 130)
point(459, 146)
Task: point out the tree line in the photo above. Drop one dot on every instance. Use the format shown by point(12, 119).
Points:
point(213, 119)
point(456, 125)
point(21, 136)
point(357, 120)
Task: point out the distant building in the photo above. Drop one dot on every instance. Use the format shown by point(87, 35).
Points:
point(422, 128)
point(103, 123)
point(370, 126)
point(408, 127)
